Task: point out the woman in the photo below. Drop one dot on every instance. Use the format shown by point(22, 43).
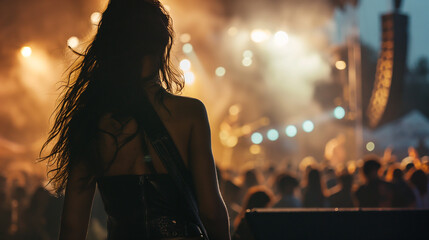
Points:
point(101, 135)
point(313, 193)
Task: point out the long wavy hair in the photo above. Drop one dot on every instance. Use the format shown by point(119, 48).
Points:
point(107, 78)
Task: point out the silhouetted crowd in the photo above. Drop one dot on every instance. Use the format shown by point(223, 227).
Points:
point(371, 182)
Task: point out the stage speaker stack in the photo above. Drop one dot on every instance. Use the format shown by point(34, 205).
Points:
point(386, 102)
point(380, 224)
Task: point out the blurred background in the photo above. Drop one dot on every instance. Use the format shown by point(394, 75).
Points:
point(285, 82)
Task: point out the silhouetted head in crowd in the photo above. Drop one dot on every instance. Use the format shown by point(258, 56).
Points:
point(256, 197)
point(346, 180)
point(313, 179)
point(371, 167)
point(420, 181)
point(251, 178)
point(286, 184)
point(394, 174)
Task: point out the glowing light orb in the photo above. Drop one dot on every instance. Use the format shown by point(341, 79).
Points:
point(95, 18)
point(231, 141)
point(256, 138)
point(291, 131)
point(308, 126)
point(26, 51)
point(246, 62)
point(220, 71)
point(340, 65)
point(189, 78)
point(247, 54)
point(185, 37)
point(246, 129)
point(272, 135)
point(339, 112)
point(232, 31)
point(255, 149)
point(259, 35)
point(187, 48)
point(73, 42)
point(234, 110)
point(185, 65)
point(281, 38)
point(370, 146)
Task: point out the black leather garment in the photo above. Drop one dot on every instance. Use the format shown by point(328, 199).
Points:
point(144, 207)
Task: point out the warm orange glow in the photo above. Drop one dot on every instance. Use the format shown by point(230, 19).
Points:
point(340, 65)
point(255, 149)
point(26, 51)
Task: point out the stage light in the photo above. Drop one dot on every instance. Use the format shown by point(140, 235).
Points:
point(339, 112)
point(232, 31)
point(26, 51)
point(281, 38)
point(308, 126)
point(370, 146)
point(255, 149)
point(95, 18)
point(340, 65)
point(234, 110)
point(272, 135)
point(247, 54)
point(231, 141)
point(291, 131)
point(189, 78)
point(185, 37)
point(73, 42)
point(257, 138)
point(246, 129)
point(246, 62)
point(220, 71)
point(187, 48)
point(259, 35)
point(185, 65)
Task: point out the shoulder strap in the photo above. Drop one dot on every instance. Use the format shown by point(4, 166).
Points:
point(167, 151)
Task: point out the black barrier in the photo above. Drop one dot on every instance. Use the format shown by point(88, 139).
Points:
point(272, 224)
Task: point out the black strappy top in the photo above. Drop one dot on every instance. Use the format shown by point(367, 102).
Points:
point(147, 206)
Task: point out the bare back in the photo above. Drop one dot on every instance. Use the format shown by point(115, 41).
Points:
point(129, 158)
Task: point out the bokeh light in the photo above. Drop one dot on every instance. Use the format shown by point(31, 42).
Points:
point(259, 35)
point(339, 112)
point(73, 42)
point(232, 31)
point(95, 18)
point(26, 51)
point(340, 65)
point(185, 65)
point(272, 134)
point(255, 149)
point(247, 54)
point(234, 110)
point(281, 38)
point(187, 48)
point(246, 62)
point(370, 146)
point(291, 131)
point(185, 37)
point(257, 138)
point(231, 141)
point(220, 71)
point(308, 126)
point(189, 78)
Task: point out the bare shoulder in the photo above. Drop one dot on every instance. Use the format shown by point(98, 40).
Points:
point(188, 107)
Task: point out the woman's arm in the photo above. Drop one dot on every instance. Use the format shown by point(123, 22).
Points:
point(77, 205)
point(212, 209)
